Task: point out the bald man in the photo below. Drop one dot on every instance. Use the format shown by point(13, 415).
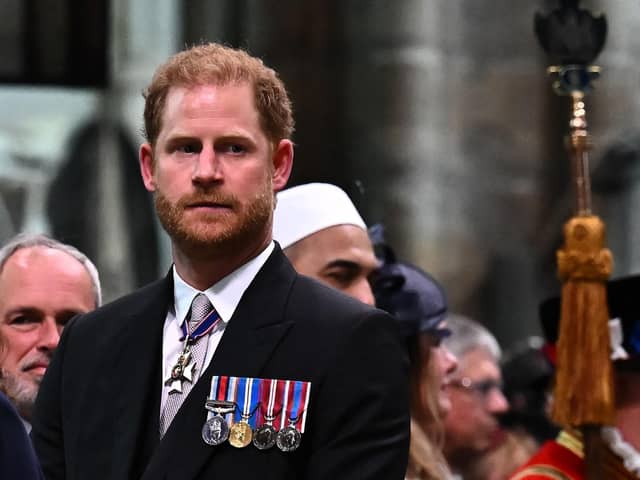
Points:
point(325, 238)
point(43, 284)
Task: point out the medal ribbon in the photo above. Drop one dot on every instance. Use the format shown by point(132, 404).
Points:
point(287, 398)
point(218, 390)
point(250, 397)
point(201, 329)
point(232, 393)
point(270, 400)
point(306, 394)
point(297, 400)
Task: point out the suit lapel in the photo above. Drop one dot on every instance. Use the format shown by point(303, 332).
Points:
point(249, 339)
point(138, 381)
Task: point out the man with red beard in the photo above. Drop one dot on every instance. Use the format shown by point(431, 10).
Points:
point(233, 366)
point(43, 283)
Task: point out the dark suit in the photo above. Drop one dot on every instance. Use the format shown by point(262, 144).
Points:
point(98, 408)
point(17, 459)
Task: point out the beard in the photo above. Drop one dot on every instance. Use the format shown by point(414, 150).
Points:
point(215, 233)
point(21, 392)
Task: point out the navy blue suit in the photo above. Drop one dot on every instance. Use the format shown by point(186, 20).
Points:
point(17, 458)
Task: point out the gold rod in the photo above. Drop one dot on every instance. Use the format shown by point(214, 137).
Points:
point(579, 146)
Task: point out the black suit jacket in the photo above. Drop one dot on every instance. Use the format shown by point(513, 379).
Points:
point(98, 408)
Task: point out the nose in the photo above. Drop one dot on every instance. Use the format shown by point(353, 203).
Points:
point(49, 335)
point(451, 361)
point(496, 402)
point(207, 168)
point(361, 290)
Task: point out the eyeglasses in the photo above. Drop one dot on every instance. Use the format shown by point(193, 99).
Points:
point(481, 388)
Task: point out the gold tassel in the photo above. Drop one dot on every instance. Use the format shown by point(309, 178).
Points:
point(583, 393)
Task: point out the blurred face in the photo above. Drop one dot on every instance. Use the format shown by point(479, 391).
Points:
point(40, 290)
point(340, 256)
point(213, 171)
point(471, 428)
point(442, 366)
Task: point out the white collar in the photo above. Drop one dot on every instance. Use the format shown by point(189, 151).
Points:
point(629, 455)
point(225, 294)
point(27, 425)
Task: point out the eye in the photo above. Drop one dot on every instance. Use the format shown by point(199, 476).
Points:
point(233, 148)
point(342, 277)
point(19, 320)
point(435, 341)
point(23, 321)
point(188, 148)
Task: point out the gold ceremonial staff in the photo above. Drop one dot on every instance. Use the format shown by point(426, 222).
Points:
point(583, 392)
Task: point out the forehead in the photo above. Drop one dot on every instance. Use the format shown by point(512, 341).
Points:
point(344, 242)
point(44, 275)
point(478, 364)
point(197, 102)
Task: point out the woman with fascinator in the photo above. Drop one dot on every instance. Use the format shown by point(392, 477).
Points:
point(418, 303)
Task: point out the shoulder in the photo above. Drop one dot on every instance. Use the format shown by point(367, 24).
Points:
point(552, 461)
point(154, 296)
point(7, 411)
point(314, 294)
point(17, 459)
point(325, 308)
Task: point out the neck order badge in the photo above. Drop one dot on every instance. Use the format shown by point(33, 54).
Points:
point(202, 320)
point(256, 404)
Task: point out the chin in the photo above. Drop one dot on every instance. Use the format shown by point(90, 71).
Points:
point(22, 392)
point(444, 406)
point(443, 411)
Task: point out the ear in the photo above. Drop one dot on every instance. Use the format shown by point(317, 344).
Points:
point(146, 166)
point(282, 164)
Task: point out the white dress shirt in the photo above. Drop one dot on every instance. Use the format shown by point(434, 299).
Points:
point(223, 295)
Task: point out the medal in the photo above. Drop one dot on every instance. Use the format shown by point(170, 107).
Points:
point(289, 438)
point(232, 405)
point(264, 437)
point(183, 370)
point(216, 429)
point(241, 432)
point(296, 402)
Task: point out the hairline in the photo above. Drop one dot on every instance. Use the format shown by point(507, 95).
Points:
point(467, 335)
point(26, 240)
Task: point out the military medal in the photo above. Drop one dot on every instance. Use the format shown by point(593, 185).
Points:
point(241, 432)
point(289, 438)
point(264, 437)
point(216, 429)
point(232, 405)
point(184, 369)
point(296, 402)
point(181, 371)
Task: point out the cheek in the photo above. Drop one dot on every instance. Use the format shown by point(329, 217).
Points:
point(16, 346)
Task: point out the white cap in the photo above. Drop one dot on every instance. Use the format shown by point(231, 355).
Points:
point(307, 209)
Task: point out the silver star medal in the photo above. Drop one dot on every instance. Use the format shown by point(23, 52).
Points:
point(181, 371)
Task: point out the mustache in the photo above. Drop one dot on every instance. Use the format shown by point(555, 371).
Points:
point(36, 360)
point(218, 198)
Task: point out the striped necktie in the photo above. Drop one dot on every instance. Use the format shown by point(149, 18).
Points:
point(202, 319)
